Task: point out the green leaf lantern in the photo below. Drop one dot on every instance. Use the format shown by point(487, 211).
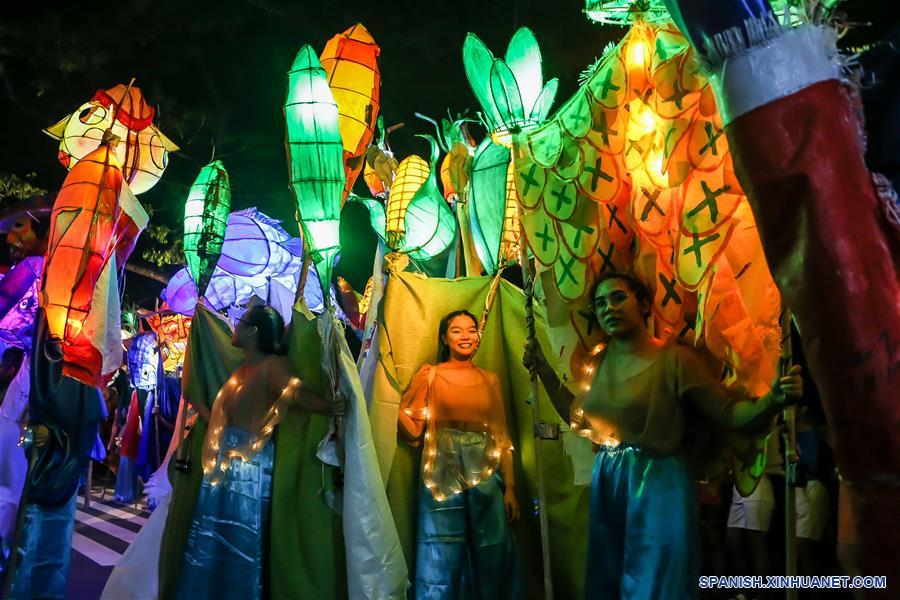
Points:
point(205, 219)
point(625, 12)
point(315, 160)
point(487, 201)
point(429, 223)
point(510, 91)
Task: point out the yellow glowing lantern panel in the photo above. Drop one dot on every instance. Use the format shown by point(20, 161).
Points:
point(411, 174)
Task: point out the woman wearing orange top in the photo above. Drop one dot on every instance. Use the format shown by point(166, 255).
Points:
point(467, 498)
point(643, 516)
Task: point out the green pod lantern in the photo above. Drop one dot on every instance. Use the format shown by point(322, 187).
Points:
point(487, 201)
point(315, 159)
point(205, 219)
point(510, 91)
point(429, 223)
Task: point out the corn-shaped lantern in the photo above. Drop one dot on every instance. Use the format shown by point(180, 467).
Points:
point(205, 219)
point(314, 151)
point(350, 62)
point(411, 174)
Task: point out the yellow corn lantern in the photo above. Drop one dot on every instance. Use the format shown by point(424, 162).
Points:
point(411, 174)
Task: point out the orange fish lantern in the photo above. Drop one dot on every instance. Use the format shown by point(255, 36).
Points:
point(172, 330)
point(94, 225)
point(350, 62)
point(143, 151)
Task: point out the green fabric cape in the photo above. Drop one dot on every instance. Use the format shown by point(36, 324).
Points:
point(410, 312)
point(306, 547)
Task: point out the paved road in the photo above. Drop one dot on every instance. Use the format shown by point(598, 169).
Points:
point(103, 532)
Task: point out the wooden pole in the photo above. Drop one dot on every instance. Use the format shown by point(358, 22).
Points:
point(88, 483)
point(790, 461)
point(528, 288)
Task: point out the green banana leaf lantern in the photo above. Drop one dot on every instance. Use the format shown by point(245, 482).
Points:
point(205, 219)
point(511, 91)
point(315, 159)
point(624, 12)
point(430, 225)
point(487, 202)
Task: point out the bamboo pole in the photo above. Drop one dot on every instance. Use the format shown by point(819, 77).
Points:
point(528, 288)
point(790, 461)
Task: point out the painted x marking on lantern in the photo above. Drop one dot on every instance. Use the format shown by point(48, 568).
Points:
point(671, 292)
point(689, 321)
point(589, 317)
point(576, 243)
point(566, 271)
point(602, 127)
point(561, 197)
point(712, 135)
point(529, 179)
point(575, 119)
point(545, 237)
point(709, 199)
point(597, 173)
point(606, 257)
point(607, 85)
point(698, 245)
point(651, 203)
point(613, 210)
point(677, 96)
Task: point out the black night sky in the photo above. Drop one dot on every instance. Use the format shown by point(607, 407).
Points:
point(216, 71)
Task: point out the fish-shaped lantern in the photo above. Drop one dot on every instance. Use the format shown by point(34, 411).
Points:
point(143, 150)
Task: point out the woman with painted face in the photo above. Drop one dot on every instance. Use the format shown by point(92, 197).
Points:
point(455, 410)
point(643, 519)
point(227, 540)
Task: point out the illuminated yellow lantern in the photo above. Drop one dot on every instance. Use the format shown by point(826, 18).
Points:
point(411, 174)
point(351, 65)
point(143, 151)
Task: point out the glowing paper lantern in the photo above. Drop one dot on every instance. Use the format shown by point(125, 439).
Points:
point(143, 151)
point(205, 218)
point(257, 248)
point(623, 12)
point(143, 361)
point(511, 90)
point(412, 173)
point(633, 173)
point(487, 201)
point(314, 151)
point(259, 258)
point(93, 228)
point(350, 62)
point(18, 302)
point(172, 330)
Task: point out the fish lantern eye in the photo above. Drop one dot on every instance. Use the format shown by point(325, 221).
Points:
point(92, 114)
point(158, 153)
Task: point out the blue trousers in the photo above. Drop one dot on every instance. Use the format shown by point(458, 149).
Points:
point(229, 535)
point(643, 528)
point(465, 548)
point(44, 552)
